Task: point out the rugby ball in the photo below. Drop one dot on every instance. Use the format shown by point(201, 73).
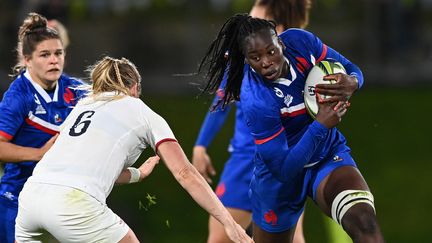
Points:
point(315, 77)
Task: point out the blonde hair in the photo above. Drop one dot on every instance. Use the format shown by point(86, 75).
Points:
point(32, 31)
point(113, 75)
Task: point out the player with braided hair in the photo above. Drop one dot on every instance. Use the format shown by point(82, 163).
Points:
point(295, 156)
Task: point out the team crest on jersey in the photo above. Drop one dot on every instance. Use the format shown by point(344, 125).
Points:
point(288, 99)
point(57, 118)
point(39, 107)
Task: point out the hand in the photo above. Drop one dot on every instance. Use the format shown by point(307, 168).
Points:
point(342, 90)
point(330, 114)
point(46, 146)
point(237, 234)
point(202, 162)
point(147, 167)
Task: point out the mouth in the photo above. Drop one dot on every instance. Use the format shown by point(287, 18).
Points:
point(53, 70)
point(271, 75)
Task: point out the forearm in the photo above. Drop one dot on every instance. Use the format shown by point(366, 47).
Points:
point(190, 179)
point(124, 177)
point(10, 152)
point(286, 162)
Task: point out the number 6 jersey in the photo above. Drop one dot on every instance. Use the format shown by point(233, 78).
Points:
point(98, 140)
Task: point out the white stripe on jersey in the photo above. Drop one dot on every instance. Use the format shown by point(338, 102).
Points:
point(43, 123)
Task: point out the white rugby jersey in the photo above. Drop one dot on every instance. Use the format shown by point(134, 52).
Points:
point(97, 141)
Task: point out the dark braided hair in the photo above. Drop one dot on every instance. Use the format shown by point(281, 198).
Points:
point(288, 13)
point(226, 55)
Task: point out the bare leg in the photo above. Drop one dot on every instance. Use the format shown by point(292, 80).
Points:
point(261, 236)
point(359, 221)
point(298, 234)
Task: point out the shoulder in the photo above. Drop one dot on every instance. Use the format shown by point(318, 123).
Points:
point(256, 96)
point(298, 38)
point(71, 81)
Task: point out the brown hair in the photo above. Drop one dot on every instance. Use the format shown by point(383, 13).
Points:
point(110, 74)
point(32, 31)
point(288, 13)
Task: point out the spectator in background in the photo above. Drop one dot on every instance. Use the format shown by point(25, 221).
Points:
point(31, 112)
point(235, 178)
point(104, 134)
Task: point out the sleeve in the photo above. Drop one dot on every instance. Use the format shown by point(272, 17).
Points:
point(213, 121)
point(13, 111)
point(157, 129)
point(283, 161)
point(323, 52)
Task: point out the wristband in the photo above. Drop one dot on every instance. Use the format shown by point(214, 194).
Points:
point(135, 174)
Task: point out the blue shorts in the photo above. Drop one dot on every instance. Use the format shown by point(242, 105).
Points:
point(8, 213)
point(233, 187)
point(277, 206)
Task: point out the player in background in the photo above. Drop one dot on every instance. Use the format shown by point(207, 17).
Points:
point(104, 135)
point(31, 112)
point(235, 178)
point(296, 156)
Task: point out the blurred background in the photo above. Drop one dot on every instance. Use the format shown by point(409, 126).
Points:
point(387, 126)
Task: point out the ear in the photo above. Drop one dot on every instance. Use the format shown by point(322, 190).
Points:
point(26, 60)
point(134, 90)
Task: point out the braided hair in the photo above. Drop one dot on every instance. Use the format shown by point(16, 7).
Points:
point(225, 55)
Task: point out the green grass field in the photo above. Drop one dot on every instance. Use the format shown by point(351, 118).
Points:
point(387, 129)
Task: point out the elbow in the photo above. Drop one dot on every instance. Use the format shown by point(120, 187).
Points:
point(184, 174)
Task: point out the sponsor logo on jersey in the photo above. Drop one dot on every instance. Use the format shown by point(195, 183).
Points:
point(9, 196)
point(220, 190)
point(39, 108)
point(336, 158)
point(278, 92)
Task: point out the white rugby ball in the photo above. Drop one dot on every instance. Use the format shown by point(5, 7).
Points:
point(315, 77)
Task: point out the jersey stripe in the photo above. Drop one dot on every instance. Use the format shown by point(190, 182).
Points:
point(41, 124)
point(162, 141)
point(261, 141)
point(293, 110)
point(323, 54)
point(6, 135)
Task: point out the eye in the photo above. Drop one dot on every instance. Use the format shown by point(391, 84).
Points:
point(44, 55)
point(59, 53)
point(272, 52)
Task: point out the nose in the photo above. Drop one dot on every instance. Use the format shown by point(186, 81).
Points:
point(53, 59)
point(266, 63)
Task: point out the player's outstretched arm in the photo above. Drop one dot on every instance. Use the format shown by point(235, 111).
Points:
point(190, 179)
point(132, 175)
point(10, 152)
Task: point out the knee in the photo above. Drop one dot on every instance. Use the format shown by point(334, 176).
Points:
point(360, 220)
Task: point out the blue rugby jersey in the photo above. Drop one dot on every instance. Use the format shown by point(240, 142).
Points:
point(29, 116)
point(241, 141)
point(287, 138)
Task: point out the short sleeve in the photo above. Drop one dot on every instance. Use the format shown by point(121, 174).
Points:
point(13, 111)
point(157, 130)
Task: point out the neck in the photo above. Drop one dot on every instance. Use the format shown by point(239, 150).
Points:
point(45, 84)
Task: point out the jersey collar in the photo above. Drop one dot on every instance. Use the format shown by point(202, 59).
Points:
point(42, 91)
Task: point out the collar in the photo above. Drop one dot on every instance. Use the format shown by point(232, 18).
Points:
point(41, 90)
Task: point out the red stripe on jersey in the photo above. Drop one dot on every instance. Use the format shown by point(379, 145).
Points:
point(6, 135)
point(40, 127)
point(261, 141)
point(294, 113)
point(323, 54)
point(163, 141)
point(303, 63)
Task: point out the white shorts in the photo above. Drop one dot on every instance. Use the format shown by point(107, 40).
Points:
point(68, 214)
